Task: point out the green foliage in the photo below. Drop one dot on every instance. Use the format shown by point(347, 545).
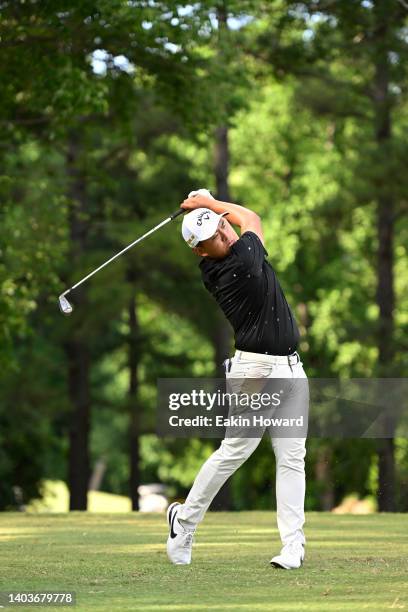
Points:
point(33, 239)
point(135, 90)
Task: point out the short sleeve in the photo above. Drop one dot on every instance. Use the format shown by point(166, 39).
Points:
point(250, 252)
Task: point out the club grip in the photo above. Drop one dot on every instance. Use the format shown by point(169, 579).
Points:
point(178, 212)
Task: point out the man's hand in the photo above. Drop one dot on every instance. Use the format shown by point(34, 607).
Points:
point(246, 219)
point(198, 201)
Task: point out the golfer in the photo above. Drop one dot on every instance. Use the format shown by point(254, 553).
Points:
point(235, 271)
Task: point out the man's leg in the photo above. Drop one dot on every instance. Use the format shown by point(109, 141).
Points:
point(290, 487)
point(184, 518)
point(232, 453)
point(290, 455)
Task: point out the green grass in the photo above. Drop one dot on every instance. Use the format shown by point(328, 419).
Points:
point(118, 562)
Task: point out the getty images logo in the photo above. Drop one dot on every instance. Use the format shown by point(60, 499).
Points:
point(203, 216)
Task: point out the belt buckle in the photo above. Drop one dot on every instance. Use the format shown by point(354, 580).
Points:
point(297, 359)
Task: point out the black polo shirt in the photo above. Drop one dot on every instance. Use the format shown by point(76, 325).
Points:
point(246, 287)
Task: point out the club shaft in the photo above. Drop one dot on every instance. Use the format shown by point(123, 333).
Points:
point(120, 253)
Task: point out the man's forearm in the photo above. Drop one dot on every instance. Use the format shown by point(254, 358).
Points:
point(237, 215)
point(246, 219)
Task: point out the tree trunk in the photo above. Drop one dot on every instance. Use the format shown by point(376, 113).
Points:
point(76, 347)
point(222, 338)
point(221, 163)
point(324, 478)
point(223, 333)
point(78, 473)
point(385, 229)
point(133, 403)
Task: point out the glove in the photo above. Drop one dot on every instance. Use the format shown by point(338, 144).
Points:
point(203, 192)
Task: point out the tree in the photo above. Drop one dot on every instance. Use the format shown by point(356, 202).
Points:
point(350, 60)
point(70, 68)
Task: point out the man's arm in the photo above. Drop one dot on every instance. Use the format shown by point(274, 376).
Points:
point(246, 219)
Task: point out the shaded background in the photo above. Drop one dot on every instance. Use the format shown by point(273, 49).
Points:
point(111, 112)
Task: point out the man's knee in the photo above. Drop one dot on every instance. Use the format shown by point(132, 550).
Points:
point(290, 453)
point(237, 449)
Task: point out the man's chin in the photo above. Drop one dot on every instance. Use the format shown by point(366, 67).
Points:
point(224, 255)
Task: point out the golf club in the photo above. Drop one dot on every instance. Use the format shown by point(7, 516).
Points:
point(64, 304)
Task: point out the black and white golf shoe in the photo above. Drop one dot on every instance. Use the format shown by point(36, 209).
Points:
point(291, 556)
point(180, 540)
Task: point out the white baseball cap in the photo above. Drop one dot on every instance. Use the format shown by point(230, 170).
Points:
point(200, 223)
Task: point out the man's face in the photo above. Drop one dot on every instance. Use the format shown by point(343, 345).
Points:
point(219, 245)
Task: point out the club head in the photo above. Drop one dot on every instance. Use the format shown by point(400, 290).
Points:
point(64, 305)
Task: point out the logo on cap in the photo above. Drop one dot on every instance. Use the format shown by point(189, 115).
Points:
point(204, 215)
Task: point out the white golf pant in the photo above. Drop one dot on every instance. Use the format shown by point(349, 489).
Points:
point(233, 452)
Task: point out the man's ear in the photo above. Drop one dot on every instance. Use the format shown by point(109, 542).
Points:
point(198, 250)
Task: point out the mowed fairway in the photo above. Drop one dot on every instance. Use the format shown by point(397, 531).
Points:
point(118, 562)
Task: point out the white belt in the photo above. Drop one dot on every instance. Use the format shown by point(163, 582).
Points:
point(265, 358)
